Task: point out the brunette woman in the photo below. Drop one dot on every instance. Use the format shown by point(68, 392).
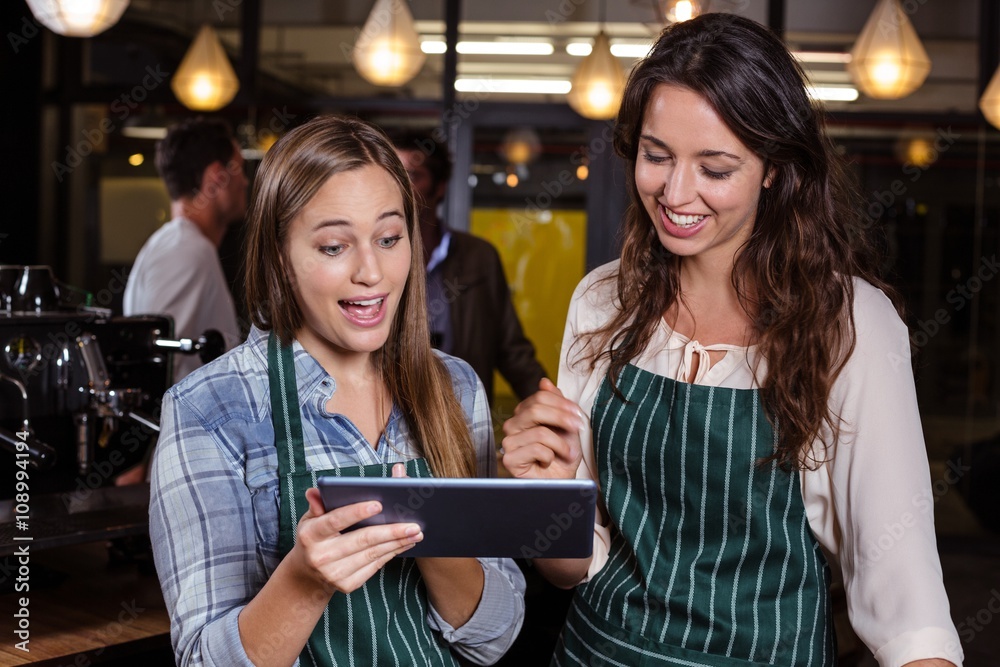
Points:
point(732, 383)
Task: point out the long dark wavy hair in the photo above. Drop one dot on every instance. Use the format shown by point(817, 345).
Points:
point(794, 276)
point(291, 173)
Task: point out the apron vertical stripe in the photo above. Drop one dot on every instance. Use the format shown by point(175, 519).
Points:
point(658, 537)
point(760, 570)
point(787, 545)
point(725, 523)
point(286, 412)
point(350, 629)
point(798, 595)
point(611, 466)
point(682, 491)
point(385, 605)
point(812, 635)
point(693, 593)
point(645, 500)
point(328, 644)
point(628, 494)
point(293, 507)
point(410, 592)
point(747, 527)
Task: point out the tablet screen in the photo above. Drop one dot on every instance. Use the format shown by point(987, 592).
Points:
point(501, 518)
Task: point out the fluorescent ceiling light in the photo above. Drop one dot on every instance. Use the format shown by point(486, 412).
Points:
point(505, 48)
point(821, 57)
point(467, 67)
point(631, 50)
point(491, 85)
point(619, 49)
point(433, 46)
point(519, 48)
point(137, 132)
point(833, 93)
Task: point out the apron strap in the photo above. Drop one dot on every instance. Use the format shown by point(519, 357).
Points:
point(285, 414)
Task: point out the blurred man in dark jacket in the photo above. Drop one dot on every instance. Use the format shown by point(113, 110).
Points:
point(470, 310)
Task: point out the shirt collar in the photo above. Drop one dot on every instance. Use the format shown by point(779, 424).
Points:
point(309, 374)
point(440, 252)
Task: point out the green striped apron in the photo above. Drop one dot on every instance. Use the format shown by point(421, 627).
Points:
point(384, 621)
point(712, 561)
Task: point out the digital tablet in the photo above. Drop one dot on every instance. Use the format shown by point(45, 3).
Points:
point(500, 518)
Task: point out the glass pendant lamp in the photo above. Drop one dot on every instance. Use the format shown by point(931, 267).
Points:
point(205, 80)
point(387, 52)
point(888, 61)
point(598, 83)
point(989, 103)
point(77, 18)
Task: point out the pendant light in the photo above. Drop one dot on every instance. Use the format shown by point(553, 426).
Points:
point(598, 82)
point(77, 18)
point(989, 103)
point(677, 11)
point(888, 61)
point(205, 80)
point(387, 52)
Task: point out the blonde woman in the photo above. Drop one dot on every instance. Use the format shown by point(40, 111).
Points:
point(336, 377)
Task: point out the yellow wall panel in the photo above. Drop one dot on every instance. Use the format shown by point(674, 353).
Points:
point(544, 257)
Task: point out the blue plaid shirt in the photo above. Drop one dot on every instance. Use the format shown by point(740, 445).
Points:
point(214, 503)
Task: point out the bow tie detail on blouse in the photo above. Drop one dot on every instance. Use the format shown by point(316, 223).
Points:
point(703, 360)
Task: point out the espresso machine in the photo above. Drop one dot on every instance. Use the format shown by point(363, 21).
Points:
point(80, 391)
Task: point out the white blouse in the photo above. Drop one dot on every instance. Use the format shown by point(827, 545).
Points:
point(869, 503)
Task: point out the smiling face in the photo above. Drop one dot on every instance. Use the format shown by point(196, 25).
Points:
point(697, 181)
point(348, 253)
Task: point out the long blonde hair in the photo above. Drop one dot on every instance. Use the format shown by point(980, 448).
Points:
point(290, 175)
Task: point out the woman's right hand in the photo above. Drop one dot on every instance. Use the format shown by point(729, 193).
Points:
point(346, 560)
point(542, 439)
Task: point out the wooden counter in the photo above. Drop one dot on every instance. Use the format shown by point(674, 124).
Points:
point(84, 610)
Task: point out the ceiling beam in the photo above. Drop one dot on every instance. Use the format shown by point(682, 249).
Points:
point(452, 17)
point(249, 51)
point(989, 41)
point(776, 17)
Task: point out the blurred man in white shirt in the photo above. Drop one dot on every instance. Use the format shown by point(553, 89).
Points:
point(178, 271)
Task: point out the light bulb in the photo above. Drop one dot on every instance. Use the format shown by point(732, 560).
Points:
point(887, 72)
point(677, 11)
